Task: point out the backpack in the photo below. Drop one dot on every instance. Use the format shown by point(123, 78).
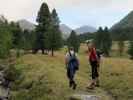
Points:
point(73, 62)
point(99, 53)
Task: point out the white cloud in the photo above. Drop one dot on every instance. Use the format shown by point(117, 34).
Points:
point(18, 9)
point(27, 9)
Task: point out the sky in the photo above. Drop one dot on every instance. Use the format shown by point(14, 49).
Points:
point(73, 13)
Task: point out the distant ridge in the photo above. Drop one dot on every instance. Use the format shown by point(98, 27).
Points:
point(85, 29)
point(26, 25)
point(126, 22)
point(66, 30)
point(2, 19)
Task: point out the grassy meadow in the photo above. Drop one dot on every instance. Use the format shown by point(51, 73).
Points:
point(44, 78)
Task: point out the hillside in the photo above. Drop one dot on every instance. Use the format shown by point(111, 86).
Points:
point(26, 25)
point(85, 29)
point(65, 30)
point(43, 80)
point(126, 22)
point(2, 19)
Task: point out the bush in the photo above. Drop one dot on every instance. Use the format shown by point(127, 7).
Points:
point(11, 73)
point(5, 41)
point(130, 50)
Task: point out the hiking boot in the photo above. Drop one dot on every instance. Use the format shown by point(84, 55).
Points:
point(70, 84)
point(74, 86)
point(97, 83)
point(92, 86)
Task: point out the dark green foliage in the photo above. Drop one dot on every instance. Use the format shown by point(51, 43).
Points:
point(73, 41)
point(86, 36)
point(5, 40)
point(42, 29)
point(28, 38)
point(125, 34)
point(17, 35)
point(11, 73)
point(103, 40)
point(130, 50)
point(55, 36)
point(124, 27)
point(48, 35)
point(126, 22)
point(121, 46)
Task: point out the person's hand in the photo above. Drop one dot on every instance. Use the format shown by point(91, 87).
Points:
point(66, 66)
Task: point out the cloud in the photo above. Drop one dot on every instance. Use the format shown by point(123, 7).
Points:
point(91, 4)
point(93, 11)
point(18, 9)
point(60, 4)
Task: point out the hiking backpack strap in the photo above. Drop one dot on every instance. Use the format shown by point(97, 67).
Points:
point(71, 54)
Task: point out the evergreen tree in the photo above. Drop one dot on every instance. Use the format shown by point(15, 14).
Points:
point(5, 40)
point(27, 39)
point(17, 38)
point(54, 35)
point(98, 40)
point(130, 50)
point(17, 35)
point(42, 29)
point(121, 46)
point(121, 43)
point(73, 41)
point(103, 40)
point(108, 41)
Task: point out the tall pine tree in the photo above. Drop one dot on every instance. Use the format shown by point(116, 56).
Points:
point(54, 36)
point(98, 40)
point(73, 41)
point(103, 40)
point(42, 29)
point(5, 40)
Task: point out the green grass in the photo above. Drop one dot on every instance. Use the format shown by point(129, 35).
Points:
point(116, 77)
point(44, 78)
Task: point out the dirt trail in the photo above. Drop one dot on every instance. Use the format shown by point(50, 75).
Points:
point(91, 96)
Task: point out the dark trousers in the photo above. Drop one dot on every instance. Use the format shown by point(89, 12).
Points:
point(71, 73)
point(94, 68)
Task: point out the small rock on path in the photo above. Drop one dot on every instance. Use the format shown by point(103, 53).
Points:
point(84, 97)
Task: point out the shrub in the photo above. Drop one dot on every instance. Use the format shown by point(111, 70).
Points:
point(11, 73)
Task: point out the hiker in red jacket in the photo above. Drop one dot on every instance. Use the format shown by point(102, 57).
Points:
point(94, 62)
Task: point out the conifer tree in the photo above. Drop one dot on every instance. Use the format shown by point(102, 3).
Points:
point(5, 40)
point(42, 29)
point(130, 50)
point(103, 40)
point(73, 41)
point(54, 35)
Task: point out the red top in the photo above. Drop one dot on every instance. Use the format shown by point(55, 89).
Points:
point(92, 55)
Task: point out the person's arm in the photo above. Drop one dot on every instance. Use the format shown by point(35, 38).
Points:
point(66, 60)
point(77, 58)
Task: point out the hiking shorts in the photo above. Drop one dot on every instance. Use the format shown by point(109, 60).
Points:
point(94, 69)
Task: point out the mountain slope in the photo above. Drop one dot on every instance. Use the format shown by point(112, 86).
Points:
point(85, 29)
point(2, 19)
point(126, 22)
point(65, 30)
point(26, 25)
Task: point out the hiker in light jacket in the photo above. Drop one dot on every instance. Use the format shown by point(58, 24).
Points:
point(72, 65)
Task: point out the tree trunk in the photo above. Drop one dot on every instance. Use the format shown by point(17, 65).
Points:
point(42, 51)
point(52, 52)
